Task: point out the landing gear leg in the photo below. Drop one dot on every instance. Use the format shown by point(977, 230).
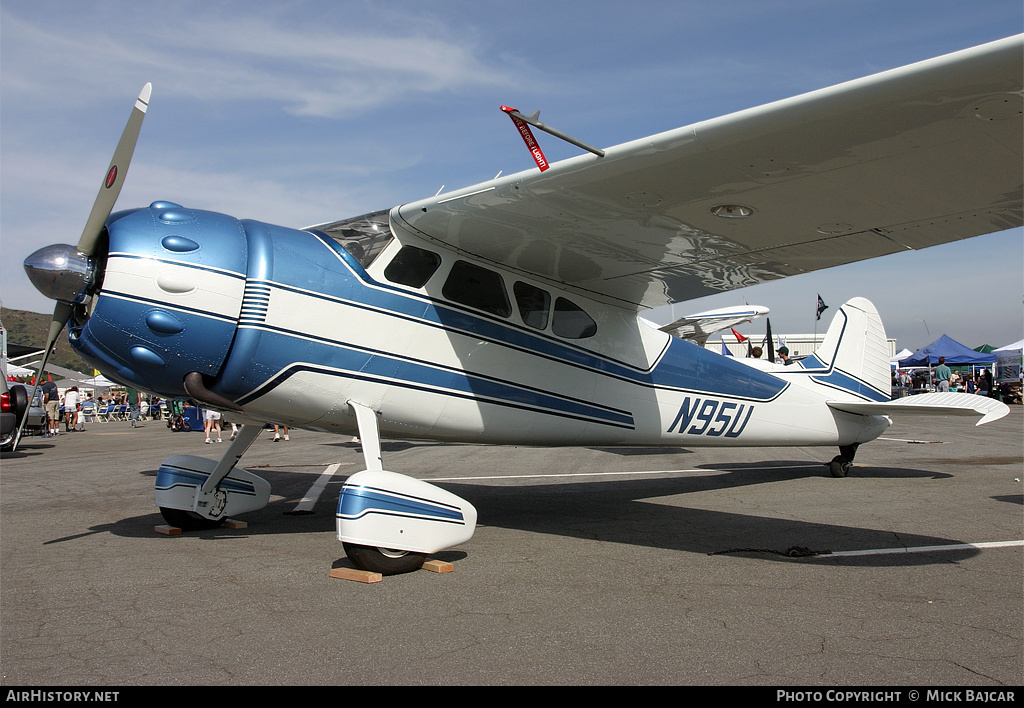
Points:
point(389, 523)
point(841, 463)
point(176, 485)
point(386, 561)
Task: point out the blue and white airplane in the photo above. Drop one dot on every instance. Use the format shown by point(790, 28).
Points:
point(510, 311)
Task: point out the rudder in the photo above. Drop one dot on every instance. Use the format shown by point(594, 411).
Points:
point(855, 351)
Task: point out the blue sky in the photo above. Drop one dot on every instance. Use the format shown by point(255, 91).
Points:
point(299, 113)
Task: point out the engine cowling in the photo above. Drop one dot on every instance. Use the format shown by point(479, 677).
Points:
point(168, 303)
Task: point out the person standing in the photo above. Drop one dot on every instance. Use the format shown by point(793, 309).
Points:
point(133, 399)
point(942, 375)
point(906, 383)
point(71, 409)
point(51, 402)
point(211, 421)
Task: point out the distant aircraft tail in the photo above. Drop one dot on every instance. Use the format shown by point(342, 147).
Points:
point(854, 356)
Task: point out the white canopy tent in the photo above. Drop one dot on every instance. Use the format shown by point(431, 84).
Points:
point(1008, 362)
point(15, 370)
point(100, 384)
point(894, 361)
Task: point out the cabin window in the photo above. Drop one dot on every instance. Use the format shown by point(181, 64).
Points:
point(412, 266)
point(533, 303)
point(571, 322)
point(477, 287)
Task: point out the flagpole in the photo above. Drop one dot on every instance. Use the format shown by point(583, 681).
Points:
point(820, 308)
point(817, 316)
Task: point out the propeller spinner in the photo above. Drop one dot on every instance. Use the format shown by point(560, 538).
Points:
point(65, 273)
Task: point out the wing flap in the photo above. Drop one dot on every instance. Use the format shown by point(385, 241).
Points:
point(930, 404)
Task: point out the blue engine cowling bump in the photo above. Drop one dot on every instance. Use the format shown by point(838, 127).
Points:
point(170, 297)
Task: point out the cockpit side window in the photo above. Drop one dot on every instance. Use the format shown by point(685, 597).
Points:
point(412, 266)
point(364, 237)
point(477, 287)
point(571, 322)
point(534, 304)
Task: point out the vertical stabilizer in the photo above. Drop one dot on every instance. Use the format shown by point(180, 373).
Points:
point(855, 352)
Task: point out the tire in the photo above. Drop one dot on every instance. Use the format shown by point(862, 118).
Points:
point(839, 466)
point(189, 520)
point(382, 560)
point(19, 402)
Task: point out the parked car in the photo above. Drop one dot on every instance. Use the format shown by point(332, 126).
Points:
point(36, 422)
point(13, 405)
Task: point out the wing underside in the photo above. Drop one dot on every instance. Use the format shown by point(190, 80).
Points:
point(906, 159)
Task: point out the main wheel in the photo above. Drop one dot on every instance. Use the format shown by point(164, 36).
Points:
point(189, 520)
point(385, 561)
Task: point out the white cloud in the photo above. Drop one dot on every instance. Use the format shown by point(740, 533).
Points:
point(330, 71)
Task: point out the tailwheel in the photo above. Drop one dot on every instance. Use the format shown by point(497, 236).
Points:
point(839, 466)
point(385, 561)
point(841, 463)
point(189, 520)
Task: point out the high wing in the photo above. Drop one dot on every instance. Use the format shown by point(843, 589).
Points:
point(905, 159)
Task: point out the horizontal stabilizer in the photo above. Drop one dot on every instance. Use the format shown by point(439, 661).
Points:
point(930, 404)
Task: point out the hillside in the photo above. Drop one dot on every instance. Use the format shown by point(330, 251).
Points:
point(30, 328)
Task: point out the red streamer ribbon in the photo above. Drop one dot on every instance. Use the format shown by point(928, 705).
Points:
point(527, 135)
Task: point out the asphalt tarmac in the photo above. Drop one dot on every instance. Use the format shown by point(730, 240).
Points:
point(590, 566)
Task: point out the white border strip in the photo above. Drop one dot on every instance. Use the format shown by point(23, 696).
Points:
point(309, 501)
point(692, 472)
point(923, 549)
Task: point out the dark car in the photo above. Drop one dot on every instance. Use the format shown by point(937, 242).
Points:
point(13, 405)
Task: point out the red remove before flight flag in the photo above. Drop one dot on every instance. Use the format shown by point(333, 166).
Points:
point(527, 134)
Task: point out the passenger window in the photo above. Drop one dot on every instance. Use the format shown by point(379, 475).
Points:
point(571, 321)
point(533, 303)
point(412, 266)
point(477, 287)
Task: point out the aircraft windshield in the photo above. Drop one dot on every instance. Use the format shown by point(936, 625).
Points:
point(364, 236)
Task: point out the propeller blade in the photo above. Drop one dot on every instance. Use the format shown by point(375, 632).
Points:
point(114, 178)
point(61, 315)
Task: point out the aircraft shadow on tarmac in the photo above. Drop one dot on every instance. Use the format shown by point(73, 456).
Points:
point(629, 511)
point(634, 512)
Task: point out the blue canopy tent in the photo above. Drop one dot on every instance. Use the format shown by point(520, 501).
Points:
point(952, 350)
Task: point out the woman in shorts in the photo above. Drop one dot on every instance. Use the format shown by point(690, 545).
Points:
point(211, 422)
